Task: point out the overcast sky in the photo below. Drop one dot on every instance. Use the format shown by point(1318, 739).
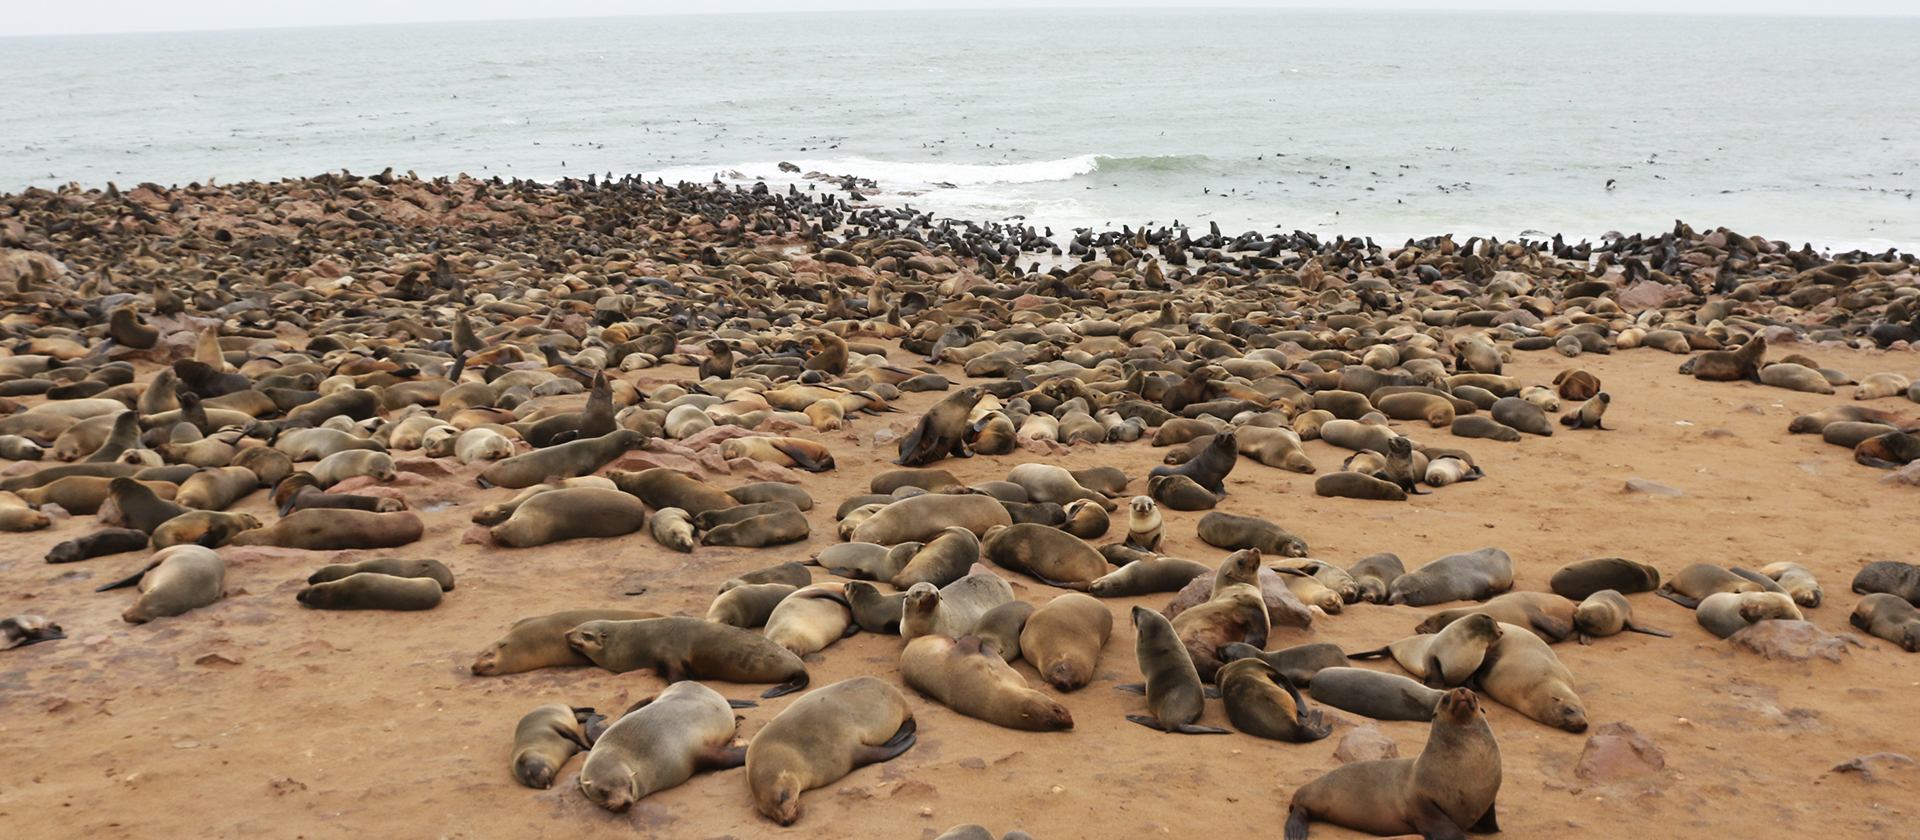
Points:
point(64, 17)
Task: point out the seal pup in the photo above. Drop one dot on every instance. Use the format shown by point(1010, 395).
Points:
point(1606, 613)
point(1695, 582)
point(175, 580)
point(544, 739)
point(1588, 413)
point(1145, 527)
point(1262, 702)
point(955, 609)
point(1798, 580)
point(1889, 617)
point(1449, 788)
point(1175, 697)
point(1727, 613)
point(1375, 574)
point(821, 738)
point(964, 677)
point(660, 745)
point(98, 544)
point(672, 528)
point(23, 630)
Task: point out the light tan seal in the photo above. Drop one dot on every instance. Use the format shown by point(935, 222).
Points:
point(566, 460)
point(1727, 613)
point(811, 618)
point(1145, 527)
point(1052, 556)
point(821, 738)
point(174, 581)
point(372, 591)
point(979, 684)
point(953, 610)
point(1522, 673)
point(1449, 789)
point(541, 642)
point(748, 605)
point(322, 529)
point(1607, 613)
point(544, 739)
point(571, 514)
point(679, 648)
point(660, 745)
point(1447, 658)
point(920, 518)
point(1798, 580)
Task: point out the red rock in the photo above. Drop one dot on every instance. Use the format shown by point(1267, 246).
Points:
point(1647, 294)
point(431, 467)
point(479, 535)
point(1795, 641)
point(749, 470)
point(1618, 752)
point(712, 437)
point(1365, 744)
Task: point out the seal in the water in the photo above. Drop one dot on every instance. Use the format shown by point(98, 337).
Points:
point(1263, 703)
point(1449, 788)
point(660, 745)
point(821, 738)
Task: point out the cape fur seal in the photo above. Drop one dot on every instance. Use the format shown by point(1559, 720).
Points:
point(372, 591)
point(1449, 788)
point(1375, 694)
point(544, 739)
point(660, 745)
point(1234, 532)
point(821, 738)
point(541, 642)
point(174, 581)
point(1175, 697)
point(1472, 576)
point(942, 431)
point(1263, 703)
point(977, 683)
point(336, 530)
point(679, 648)
point(1889, 617)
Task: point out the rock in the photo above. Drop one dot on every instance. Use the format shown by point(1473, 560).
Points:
point(880, 438)
point(55, 512)
point(218, 659)
point(1795, 641)
point(430, 467)
point(479, 535)
point(1618, 752)
point(109, 515)
point(1647, 294)
point(713, 436)
point(1365, 744)
point(1909, 475)
point(20, 468)
point(1871, 766)
point(1780, 335)
point(748, 471)
point(1641, 485)
point(1283, 608)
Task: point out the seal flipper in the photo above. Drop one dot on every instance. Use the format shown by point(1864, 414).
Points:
point(742, 704)
point(1132, 688)
point(1296, 823)
point(1682, 600)
point(787, 688)
point(1488, 824)
point(571, 734)
point(803, 460)
point(128, 581)
point(1550, 626)
point(890, 749)
point(721, 758)
point(1196, 729)
point(1432, 823)
point(1211, 692)
point(1381, 653)
point(911, 445)
point(1648, 630)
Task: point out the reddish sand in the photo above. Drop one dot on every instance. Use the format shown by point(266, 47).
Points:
point(257, 717)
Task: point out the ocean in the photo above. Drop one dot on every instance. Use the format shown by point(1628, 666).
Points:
point(1386, 124)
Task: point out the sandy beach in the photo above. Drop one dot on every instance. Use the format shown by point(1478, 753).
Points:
point(255, 716)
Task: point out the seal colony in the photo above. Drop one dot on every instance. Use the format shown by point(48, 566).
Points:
point(284, 400)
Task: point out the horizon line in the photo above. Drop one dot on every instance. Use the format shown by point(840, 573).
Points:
point(1022, 8)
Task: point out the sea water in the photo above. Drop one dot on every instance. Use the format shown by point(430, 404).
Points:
point(1388, 124)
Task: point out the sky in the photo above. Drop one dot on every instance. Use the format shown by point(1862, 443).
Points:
point(75, 17)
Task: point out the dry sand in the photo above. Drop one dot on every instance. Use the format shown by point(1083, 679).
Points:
point(255, 717)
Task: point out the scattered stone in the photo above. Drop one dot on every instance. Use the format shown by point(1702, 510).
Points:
point(217, 659)
point(430, 467)
point(1365, 744)
point(1780, 335)
point(1870, 766)
point(1795, 641)
point(1641, 485)
point(1909, 475)
point(478, 535)
point(1618, 752)
point(1718, 433)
